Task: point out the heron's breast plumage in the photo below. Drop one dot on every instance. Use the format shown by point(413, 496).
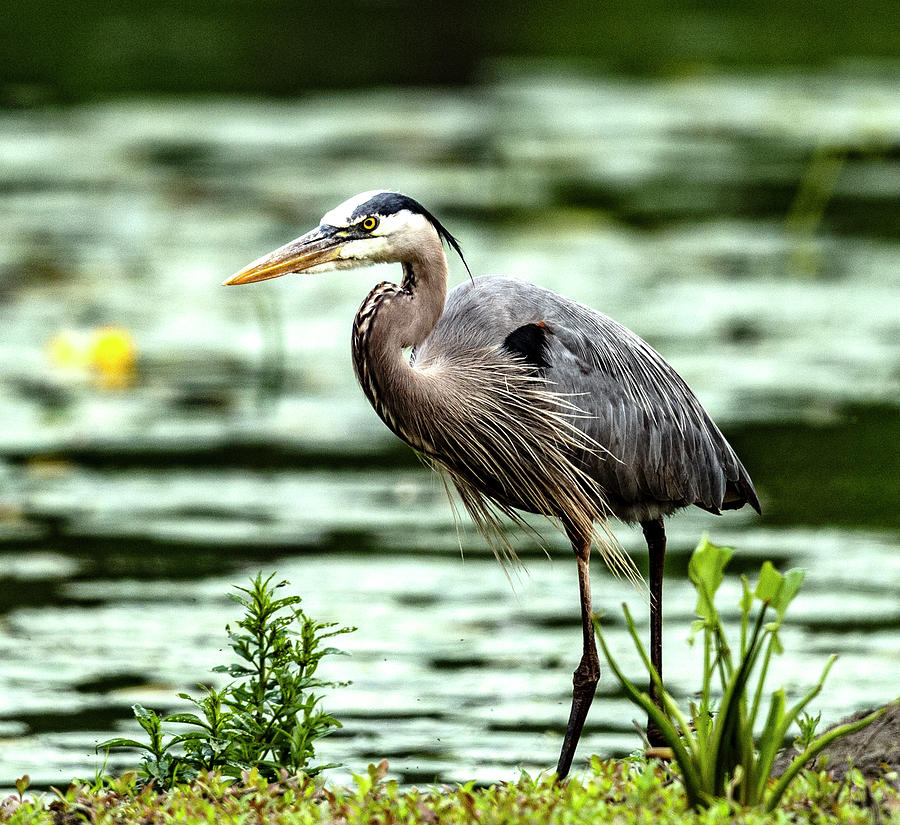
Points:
point(367, 370)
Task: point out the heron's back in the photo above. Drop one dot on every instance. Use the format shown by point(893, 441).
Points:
point(650, 446)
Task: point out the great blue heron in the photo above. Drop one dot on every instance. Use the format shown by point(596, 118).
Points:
point(527, 400)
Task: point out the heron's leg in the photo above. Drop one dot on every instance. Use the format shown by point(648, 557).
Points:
point(655, 534)
point(587, 674)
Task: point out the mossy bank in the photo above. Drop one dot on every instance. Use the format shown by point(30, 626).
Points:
point(622, 792)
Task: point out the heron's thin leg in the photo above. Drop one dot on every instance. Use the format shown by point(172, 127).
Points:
point(655, 534)
point(587, 674)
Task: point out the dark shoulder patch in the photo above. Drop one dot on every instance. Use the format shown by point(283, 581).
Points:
point(529, 342)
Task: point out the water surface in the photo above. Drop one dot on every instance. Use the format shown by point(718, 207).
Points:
point(745, 227)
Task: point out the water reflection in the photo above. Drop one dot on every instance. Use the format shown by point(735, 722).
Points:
point(239, 441)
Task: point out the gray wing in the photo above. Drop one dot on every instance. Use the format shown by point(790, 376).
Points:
point(662, 451)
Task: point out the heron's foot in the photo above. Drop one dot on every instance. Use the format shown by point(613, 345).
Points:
point(584, 685)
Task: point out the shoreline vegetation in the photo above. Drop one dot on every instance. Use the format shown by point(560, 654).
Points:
point(248, 754)
point(615, 791)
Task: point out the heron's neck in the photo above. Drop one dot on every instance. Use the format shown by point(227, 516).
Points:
point(391, 319)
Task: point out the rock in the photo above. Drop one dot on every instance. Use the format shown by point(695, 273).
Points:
point(874, 750)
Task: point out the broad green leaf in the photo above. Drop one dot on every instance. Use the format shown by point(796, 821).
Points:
point(769, 583)
point(705, 570)
point(793, 579)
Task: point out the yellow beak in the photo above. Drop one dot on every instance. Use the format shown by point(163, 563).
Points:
point(313, 249)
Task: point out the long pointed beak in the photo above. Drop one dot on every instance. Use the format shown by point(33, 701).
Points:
point(313, 249)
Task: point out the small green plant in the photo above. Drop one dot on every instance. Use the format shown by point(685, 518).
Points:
point(715, 748)
point(269, 717)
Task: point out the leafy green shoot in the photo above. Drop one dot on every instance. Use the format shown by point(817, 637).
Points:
point(268, 718)
point(714, 743)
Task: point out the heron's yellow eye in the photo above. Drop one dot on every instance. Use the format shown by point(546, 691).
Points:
point(369, 223)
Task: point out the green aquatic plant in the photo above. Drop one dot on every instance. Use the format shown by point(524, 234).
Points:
point(714, 744)
point(268, 718)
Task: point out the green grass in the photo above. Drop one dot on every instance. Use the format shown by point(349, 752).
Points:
point(623, 792)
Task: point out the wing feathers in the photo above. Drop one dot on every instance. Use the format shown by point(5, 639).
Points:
point(655, 448)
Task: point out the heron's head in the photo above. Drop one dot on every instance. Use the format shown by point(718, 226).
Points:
point(371, 228)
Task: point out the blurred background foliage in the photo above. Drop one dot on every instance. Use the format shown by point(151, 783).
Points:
point(64, 52)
